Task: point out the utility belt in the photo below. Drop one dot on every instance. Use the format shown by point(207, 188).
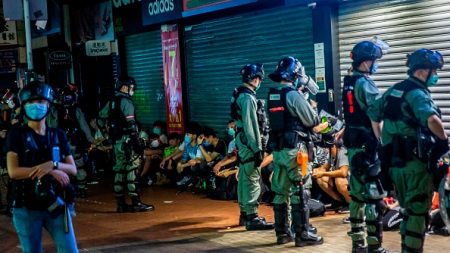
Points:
point(289, 139)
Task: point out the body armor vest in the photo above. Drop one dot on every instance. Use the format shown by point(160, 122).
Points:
point(117, 120)
point(279, 115)
point(396, 100)
point(68, 122)
point(353, 114)
point(287, 131)
point(234, 109)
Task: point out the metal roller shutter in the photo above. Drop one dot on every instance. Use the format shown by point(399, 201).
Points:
point(144, 63)
point(216, 50)
point(406, 26)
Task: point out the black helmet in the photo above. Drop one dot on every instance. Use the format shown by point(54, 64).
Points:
point(365, 51)
point(126, 81)
point(424, 59)
point(288, 69)
point(69, 95)
point(251, 71)
point(36, 90)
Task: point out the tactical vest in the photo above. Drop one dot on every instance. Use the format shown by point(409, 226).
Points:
point(287, 131)
point(31, 154)
point(279, 115)
point(353, 114)
point(396, 99)
point(68, 122)
point(117, 121)
point(234, 108)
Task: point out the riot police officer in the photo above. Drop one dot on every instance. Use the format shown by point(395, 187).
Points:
point(66, 115)
point(291, 119)
point(361, 138)
point(248, 143)
point(123, 131)
point(410, 120)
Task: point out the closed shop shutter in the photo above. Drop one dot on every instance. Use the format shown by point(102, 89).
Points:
point(144, 63)
point(216, 50)
point(406, 26)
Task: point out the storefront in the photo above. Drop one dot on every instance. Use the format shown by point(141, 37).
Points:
point(217, 49)
point(406, 26)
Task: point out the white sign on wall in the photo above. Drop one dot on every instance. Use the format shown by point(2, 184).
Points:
point(98, 48)
point(9, 36)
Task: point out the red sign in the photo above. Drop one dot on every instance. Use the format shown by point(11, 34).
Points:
point(172, 78)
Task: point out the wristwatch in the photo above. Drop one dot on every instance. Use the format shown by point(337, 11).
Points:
point(55, 165)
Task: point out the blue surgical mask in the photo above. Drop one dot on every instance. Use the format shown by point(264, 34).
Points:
point(157, 130)
point(433, 80)
point(187, 139)
point(205, 143)
point(36, 111)
point(374, 67)
point(231, 131)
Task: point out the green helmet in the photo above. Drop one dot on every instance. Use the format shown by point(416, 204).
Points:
point(36, 90)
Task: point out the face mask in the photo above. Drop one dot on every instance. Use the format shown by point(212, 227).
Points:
point(231, 131)
point(306, 95)
point(374, 67)
point(154, 144)
point(131, 93)
point(257, 87)
point(205, 143)
point(157, 130)
point(187, 139)
point(36, 111)
point(433, 80)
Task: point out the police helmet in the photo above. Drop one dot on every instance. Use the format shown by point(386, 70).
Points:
point(126, 81)
point(365, 51)
point(251, 71)
point(424, 59)
point(69, 95)
point(288, 69)
point(36, 90)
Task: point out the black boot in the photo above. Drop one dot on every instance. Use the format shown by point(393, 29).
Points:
point(242, 219)
point(377, 249)
point(359, 247)
point(282, 224)
point(138, 206)
point(122, 206)
point(300, 221)
point(254, 222)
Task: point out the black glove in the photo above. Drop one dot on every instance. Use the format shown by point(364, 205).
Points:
point(440, 148)
point(258, 157)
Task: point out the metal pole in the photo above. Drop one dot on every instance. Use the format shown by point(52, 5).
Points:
point(26, 20)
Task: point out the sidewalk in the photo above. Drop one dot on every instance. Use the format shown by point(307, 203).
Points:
point(188, 223)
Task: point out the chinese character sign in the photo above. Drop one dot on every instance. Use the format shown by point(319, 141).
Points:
point(9, 36)
point(172, 78)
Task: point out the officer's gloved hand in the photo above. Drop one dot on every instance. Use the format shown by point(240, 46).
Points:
point(439, 149)
point(258, 157)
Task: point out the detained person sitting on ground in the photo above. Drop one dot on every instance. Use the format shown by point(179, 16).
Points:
point(332, 176)
point(192, 156)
